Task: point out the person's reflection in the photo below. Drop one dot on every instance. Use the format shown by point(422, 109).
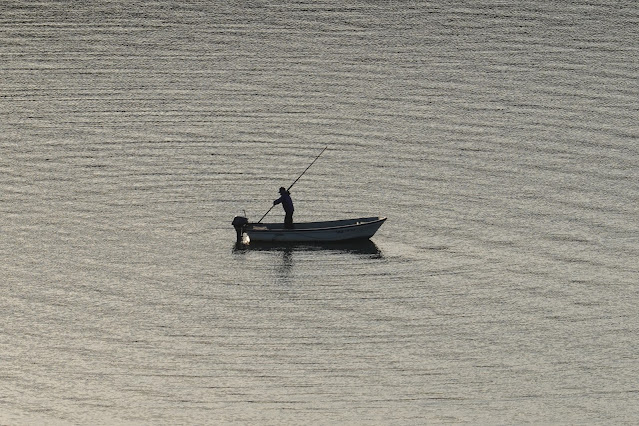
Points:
point(285, 268)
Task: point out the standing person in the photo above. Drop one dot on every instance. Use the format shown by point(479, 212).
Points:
point(287, 203)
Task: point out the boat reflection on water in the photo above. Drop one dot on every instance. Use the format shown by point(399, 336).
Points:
point(359, 247)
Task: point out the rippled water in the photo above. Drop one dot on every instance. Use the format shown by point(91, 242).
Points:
point(500, 139)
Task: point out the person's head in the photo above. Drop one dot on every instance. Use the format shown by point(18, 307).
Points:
point(282, 190)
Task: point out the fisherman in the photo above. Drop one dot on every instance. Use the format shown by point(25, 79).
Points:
point(287, 203)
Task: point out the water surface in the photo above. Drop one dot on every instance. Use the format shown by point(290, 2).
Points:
point(499, 138)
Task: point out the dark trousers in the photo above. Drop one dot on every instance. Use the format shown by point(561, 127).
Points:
point(288, 220)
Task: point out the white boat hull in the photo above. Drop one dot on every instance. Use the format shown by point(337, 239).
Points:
point(336, 230)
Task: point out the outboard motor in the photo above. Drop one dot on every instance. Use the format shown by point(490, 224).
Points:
point(239, 222)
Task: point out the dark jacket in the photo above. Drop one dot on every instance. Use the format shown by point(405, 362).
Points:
point(286, 201)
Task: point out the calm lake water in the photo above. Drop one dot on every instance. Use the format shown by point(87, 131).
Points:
point(500, 138)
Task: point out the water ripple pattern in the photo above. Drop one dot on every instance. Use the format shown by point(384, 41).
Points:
point(500, 139)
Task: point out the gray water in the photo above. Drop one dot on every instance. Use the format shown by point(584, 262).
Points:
point(499, 138)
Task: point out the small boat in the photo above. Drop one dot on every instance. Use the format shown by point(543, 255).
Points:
point(329, 231)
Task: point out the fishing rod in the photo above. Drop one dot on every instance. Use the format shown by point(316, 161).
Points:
point(295, 181)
